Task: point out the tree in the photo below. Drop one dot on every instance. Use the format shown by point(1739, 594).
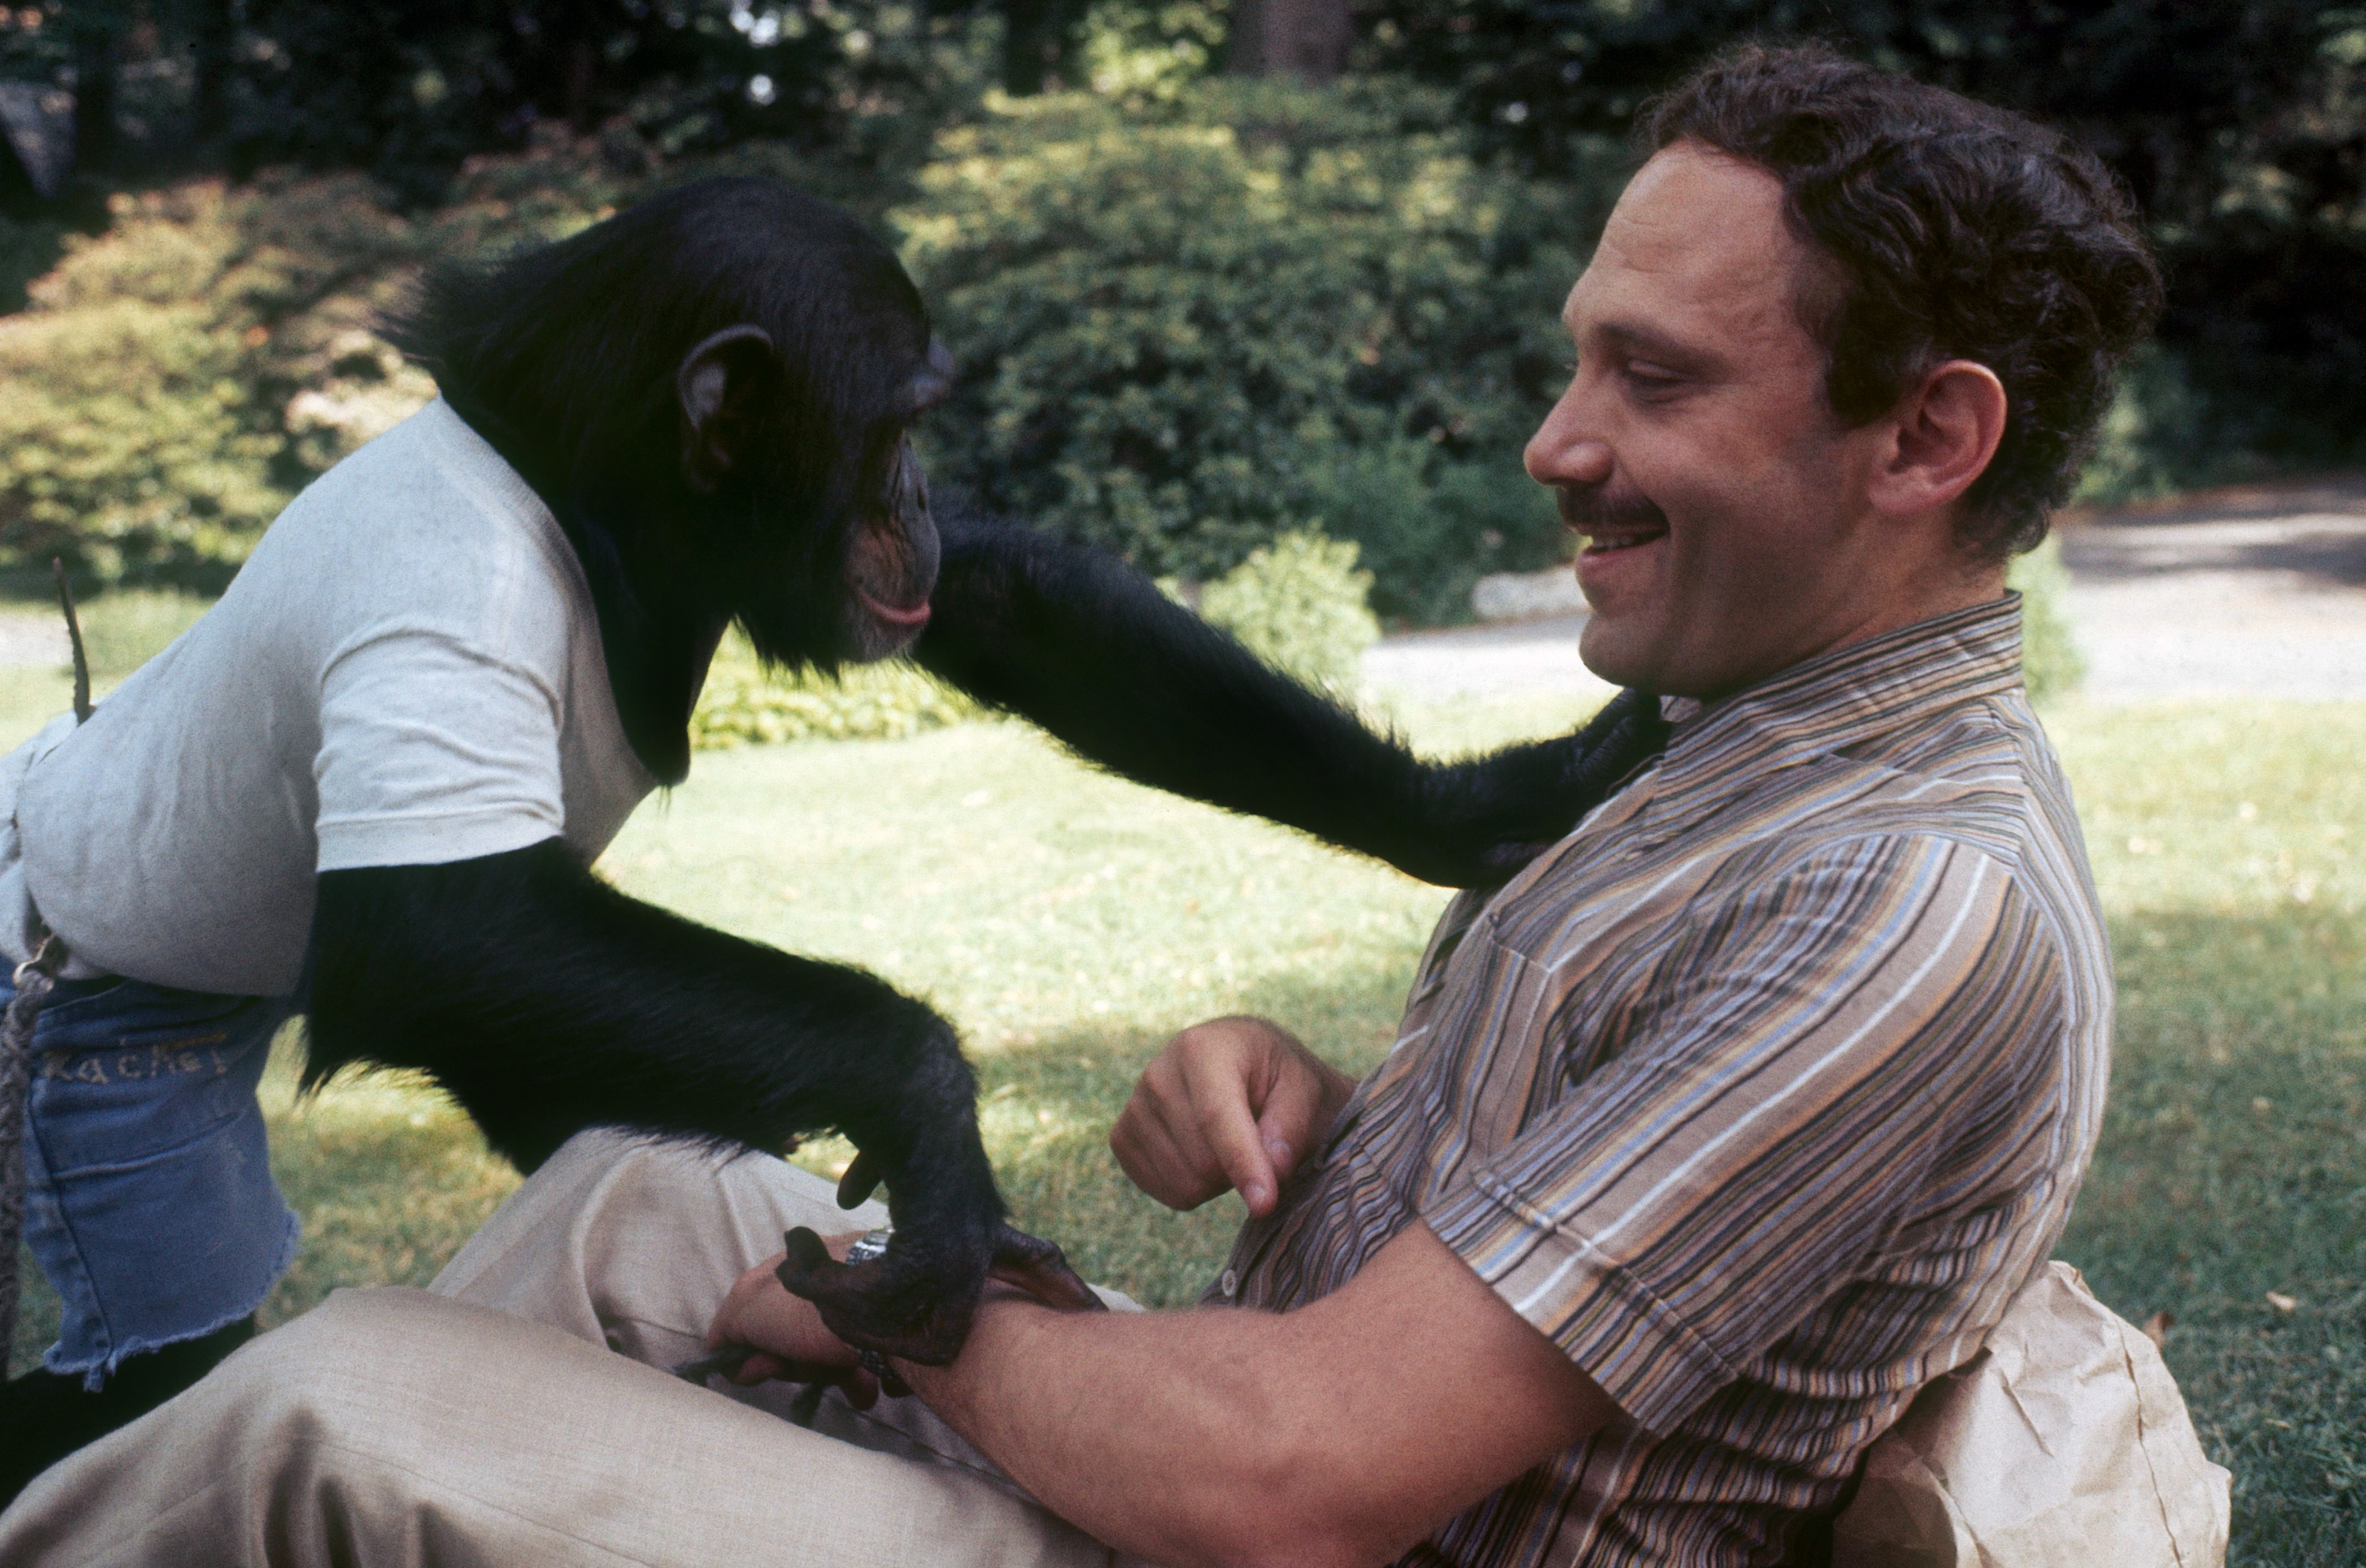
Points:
point(1306, 38)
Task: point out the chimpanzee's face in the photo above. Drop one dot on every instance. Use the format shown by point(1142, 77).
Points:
point(860, 591)
point(890, 561)
point(892, 554)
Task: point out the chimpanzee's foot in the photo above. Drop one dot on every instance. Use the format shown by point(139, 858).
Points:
point(917, 1301)
point(46, 1415)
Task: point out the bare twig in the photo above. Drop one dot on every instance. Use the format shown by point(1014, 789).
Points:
point(73, 635)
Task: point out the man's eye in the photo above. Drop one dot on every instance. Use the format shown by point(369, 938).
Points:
point(1650, 378)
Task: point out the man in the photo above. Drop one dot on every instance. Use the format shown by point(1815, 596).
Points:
point(1707, 1140)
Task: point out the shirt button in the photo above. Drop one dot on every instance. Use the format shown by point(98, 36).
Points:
point(1230, 1284)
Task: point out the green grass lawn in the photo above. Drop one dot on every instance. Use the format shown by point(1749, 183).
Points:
point(1069, 924)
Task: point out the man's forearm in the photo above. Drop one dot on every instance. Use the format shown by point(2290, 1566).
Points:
point(1155, 1433)
point(1336, 1434)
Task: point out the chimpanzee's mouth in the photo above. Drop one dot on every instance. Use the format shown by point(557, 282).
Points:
point(895, 614)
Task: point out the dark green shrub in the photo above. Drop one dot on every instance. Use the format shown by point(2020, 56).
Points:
point(1188, 325)
point(1431, 528)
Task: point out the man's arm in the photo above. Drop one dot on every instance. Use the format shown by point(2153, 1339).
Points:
point(1341, 1433)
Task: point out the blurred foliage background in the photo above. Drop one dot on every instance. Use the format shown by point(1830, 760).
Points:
point(1215, 270)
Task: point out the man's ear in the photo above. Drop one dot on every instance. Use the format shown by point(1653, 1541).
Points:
point(721, 383)
point(1947, 431)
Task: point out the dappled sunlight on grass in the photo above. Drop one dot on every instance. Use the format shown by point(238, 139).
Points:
point(1021, 894)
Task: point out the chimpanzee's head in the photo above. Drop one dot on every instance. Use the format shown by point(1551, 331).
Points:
point(715, 386)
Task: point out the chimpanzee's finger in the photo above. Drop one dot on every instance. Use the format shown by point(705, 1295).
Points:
point(1040, 1269)
point(727, 1359)
point(860, 1180)
point(802, 1253)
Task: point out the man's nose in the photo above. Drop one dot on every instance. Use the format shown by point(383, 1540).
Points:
point(1564, 451)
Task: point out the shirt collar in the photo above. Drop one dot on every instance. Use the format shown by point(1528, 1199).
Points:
point(1850, 695)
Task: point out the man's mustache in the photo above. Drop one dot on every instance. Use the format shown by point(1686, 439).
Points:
point(1600, 511)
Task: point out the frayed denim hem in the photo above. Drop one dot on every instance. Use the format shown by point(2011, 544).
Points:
point(95, 1371)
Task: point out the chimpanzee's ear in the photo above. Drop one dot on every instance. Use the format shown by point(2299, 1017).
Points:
point(721, 382)
point(933, 383)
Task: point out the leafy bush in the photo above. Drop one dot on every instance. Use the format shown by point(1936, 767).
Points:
point(177, 378)
point(1300, 604)
point(2050, 661)
point(745, 704)
point(1189, 324)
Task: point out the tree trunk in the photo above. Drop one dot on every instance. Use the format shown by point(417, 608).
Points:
point(1036, 36)
point(211, 35)
point(1305, 39)
point(94, 112)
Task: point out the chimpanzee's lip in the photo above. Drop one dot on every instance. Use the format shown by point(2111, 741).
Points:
point(895, 614)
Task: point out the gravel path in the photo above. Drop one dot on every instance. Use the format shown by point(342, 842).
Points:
point(28, 637)
point(2201, 603)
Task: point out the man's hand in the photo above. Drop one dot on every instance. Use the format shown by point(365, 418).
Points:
point(1234, 1103)
point(787, 1334)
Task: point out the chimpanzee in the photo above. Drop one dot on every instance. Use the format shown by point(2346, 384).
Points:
point(368, 785)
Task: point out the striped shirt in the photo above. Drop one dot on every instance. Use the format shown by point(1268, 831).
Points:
point(1760, 1094)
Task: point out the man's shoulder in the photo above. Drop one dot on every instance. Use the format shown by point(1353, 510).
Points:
point(1979, 779)
point(1982, 774)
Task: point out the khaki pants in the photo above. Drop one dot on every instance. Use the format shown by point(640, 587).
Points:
point(517, 1413)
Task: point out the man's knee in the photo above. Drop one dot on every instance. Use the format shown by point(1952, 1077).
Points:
point(354, 1372)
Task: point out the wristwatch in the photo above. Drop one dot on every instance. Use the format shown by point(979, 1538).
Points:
point(871, 1245)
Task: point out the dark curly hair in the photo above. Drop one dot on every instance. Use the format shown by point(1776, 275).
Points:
point(1959, 231)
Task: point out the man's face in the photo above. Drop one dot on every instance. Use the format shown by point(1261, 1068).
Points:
point(1724, 507)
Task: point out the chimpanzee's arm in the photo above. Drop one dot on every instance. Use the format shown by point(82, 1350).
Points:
point(547, 1002)
point(1087, 647)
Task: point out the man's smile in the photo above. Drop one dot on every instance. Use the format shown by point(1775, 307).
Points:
point(1609, 540)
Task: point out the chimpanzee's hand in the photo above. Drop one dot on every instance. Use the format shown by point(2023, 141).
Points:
point(762, 1332)
point(917, 1301)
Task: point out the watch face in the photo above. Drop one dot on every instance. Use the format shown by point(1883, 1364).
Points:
point(868, 1245)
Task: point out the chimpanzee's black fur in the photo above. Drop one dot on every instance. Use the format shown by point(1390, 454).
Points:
point(1087, 647)
point(547, 1002)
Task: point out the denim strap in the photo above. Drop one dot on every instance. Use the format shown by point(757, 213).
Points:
point(34, 979)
